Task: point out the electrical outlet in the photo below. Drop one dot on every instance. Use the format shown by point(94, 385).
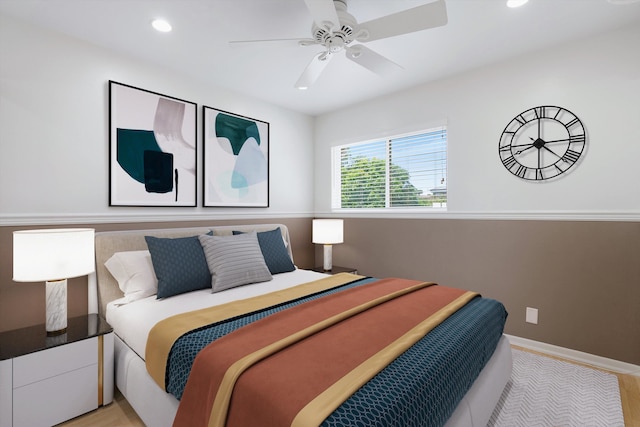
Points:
point(532, 315)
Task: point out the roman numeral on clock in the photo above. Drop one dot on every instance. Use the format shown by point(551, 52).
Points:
point(575, 139)
point(572, 122)
point(508, 162)
point(521, 171)
point(571, 156)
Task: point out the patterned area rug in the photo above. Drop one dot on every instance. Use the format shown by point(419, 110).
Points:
point(548, 392)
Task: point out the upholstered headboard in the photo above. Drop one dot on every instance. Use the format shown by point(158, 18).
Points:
point(103, 288)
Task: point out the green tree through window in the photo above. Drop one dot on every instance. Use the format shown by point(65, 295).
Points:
point(364, 183)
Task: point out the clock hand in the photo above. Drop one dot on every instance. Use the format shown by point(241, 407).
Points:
point(522, 151)
point(539, 158)
point(558, 140)
point(551, 151)
point(521, 145)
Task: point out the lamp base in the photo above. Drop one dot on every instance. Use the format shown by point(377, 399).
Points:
point(328, 255)
point(57, 333)
point(56, 323)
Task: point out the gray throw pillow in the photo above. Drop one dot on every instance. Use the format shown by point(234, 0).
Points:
point(234, 260)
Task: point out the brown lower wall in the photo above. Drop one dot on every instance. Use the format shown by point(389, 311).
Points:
point(23, 304)
point(582, 276)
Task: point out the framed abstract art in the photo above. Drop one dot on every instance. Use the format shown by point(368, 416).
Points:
point(152, 148)
point(235, 160)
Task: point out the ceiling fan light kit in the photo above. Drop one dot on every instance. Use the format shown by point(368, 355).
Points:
point(337, 31)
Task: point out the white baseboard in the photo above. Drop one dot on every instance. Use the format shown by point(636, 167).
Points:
point(578, 356)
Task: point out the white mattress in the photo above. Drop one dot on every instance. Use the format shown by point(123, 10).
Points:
point(132, 322)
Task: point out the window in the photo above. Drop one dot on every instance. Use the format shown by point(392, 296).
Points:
point(407, 171)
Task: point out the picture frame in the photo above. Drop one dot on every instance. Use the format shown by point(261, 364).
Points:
point(152, 148)
point(235, 160)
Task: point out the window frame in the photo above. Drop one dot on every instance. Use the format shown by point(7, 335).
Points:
point(336, 173)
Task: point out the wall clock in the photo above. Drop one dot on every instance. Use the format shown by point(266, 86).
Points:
point(542, 143)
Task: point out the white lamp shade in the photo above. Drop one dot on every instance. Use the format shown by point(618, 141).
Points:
point(327, 231)
point(53, 254)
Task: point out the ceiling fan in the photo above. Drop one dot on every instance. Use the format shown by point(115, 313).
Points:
point(338, 31)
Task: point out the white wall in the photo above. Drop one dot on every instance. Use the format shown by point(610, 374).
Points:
point(54, 139)
point(597, 78)
point(54, 133)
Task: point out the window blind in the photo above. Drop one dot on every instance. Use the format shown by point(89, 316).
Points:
point(403, 171)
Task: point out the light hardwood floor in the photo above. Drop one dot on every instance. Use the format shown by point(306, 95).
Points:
point(120, 413)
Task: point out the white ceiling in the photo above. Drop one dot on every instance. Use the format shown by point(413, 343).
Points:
point(479, 32)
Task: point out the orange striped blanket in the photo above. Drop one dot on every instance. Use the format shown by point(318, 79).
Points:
point(297, 366)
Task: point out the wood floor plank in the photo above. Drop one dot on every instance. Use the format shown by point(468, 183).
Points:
point(119, 413)
point(630, 398)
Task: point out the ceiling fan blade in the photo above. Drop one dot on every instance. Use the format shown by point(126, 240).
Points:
point(323, 11)
point(419, 18)
point(300, 42)
point(313, 70)
point(371, 60)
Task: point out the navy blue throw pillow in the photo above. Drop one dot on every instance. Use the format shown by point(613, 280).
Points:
point(180, 265)
point(274, 251)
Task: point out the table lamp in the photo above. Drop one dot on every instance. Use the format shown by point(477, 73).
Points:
point(327, 232)
point(53, 255)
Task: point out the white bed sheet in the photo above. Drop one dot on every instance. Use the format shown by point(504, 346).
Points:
point(132, 322)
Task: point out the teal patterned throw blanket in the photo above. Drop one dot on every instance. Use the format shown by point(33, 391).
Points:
point(420, 388)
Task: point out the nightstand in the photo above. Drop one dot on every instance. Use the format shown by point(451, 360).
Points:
point(335, 270)
point(47, 380)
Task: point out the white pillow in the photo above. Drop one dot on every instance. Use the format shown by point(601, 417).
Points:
point(135, 275)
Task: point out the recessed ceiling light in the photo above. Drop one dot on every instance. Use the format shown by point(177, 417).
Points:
point(516, 3)
point(161, 25)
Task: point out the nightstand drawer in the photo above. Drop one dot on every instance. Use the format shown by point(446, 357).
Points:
point(56, 399)
point(47, 380)
point(55, 361)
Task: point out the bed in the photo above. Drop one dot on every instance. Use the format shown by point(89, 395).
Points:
point(136, 319)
